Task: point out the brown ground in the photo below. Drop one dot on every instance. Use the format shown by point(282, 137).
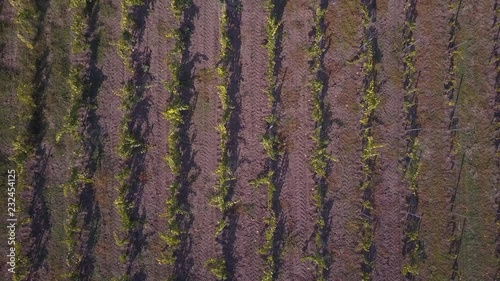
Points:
point(250, 164)
point(205, 139)
point(437, 181)
point(388, 130)
point(343, 98)
point(297, 124)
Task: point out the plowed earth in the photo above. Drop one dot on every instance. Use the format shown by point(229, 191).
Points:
point(465, 192)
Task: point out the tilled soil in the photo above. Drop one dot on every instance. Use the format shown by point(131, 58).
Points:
point(254, 107)
point(110, 115)
point(297, 125)
point(434, 138)
point(473, 180)
point(205, 140)
point(390, 190)
point(343, 101)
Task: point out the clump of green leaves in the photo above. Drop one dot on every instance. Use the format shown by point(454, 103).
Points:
point(217, 266)
point(128, 25)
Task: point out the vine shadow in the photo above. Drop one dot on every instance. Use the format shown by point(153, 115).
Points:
point(39, 214)
point(279, 166)
point(325, 127)
point(36, 130)
point(228, 237)
point(367, 193)
point(139, 126)
point(92, 143)
point(189, 170)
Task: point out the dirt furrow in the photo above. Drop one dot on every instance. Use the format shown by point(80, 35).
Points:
point(474, 205)
point(297, 129)
point(107, 264)
point(156, 176)
point(376, 225)
point(252, 206)
point(389, 192)
point(495, 59)
point(431, 35)
point(205, 44)
point(344, 35)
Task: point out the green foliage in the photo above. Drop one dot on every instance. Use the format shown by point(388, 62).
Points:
point(319, 261)
point(271, 143)
point(71, 126)
point(224, 40)
point(369, 149)
point(409, 269)
point(77, 90)
point(174, 115)
point(129, 98)
point(27, 21)
point(120, 242)
point(79, 26)
point(269, 235)
point(320, 157)
point(128, 26)
point(22, 264)
point(24, 95)
point(124, 49)
point(167, 258)
point(173, 158)
point(178, 7)
point(369, 104)
point(129, 144)
point(453, 55)
point(223, 172)
point(367, 235)
point(412, 168)
point(217, 266)
point(21, 152)
point(271, 140)
point(132, 3)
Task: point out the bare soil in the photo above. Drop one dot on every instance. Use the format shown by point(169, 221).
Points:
point(297, 125)
point(254, 108)
point(205, 140)
point(446, 193)
point(390, 190)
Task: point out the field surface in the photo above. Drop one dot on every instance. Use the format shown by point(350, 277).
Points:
point(288, 140)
